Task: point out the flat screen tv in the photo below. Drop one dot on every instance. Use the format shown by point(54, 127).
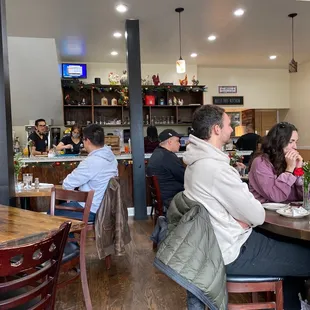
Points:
point(74, 71)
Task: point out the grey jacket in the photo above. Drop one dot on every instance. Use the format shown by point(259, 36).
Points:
point(190, 254)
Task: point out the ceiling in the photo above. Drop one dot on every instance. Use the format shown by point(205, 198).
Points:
point(83, 30)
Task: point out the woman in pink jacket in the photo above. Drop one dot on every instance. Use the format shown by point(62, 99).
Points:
point(275, 172)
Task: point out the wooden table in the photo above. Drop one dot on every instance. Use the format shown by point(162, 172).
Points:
point(289, 227)
point(41, 192)
point(19, 226)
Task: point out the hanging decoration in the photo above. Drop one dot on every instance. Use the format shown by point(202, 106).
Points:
point(180, 64)
point(293, 65)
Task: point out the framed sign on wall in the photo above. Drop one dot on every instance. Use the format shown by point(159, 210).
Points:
point(227, 100)
point(227, 89)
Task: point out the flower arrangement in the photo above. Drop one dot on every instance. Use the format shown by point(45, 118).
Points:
point(113, 78)
point(18, 164)
point(124, 99)
point(305, 172)
point(234, 158)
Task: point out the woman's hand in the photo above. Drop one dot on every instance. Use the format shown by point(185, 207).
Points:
point(291, 160)
point(299, 161)
point(68, 147)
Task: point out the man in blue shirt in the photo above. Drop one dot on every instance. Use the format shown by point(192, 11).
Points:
point(93, 173)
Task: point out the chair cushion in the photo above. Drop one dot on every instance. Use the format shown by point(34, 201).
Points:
point(252, 279)
point(72, 250)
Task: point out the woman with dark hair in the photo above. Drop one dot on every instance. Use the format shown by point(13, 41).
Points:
point(272, 176)
point(72, 143)
point(151, 141)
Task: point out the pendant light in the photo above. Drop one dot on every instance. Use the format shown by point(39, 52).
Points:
point(180, 64)
point(293, 64)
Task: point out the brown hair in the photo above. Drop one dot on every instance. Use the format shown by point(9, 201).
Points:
point(78, 127)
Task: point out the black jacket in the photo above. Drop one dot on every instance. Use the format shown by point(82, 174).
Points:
point(169, 170)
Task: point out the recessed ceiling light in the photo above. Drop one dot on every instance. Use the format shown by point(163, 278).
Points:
point(272, 57)
point(122, 8)
point(212, 37)
point(194, 55)
point(114, 53)
point(117, 34)
point(239, 12)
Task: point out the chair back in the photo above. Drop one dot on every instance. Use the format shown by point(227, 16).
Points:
point(154, 190)
point(30, 271)
point(63, 194)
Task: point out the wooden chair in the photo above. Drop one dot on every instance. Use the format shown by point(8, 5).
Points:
point(253, 285)
point(74, 254)
point(156, 201)
point(29, 272)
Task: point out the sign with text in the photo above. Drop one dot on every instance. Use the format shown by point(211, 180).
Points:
point(227, 100)
point(227, 89)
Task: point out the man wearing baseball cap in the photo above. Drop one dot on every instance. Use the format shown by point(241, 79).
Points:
point(168, 168)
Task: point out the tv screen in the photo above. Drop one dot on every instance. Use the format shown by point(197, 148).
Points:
point(77, 71)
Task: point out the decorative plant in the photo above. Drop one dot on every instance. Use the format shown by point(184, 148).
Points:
point(306, 177)
point(18, 164)
point(124, 99)
point(235, 158)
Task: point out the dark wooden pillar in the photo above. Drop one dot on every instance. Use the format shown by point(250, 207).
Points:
point(136, 118)
point(6, 145)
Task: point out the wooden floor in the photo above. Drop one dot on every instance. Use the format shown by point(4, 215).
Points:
point(132, 283)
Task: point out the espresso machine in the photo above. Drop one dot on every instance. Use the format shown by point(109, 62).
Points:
point(54, 136)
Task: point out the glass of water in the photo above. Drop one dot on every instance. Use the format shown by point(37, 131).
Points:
point(27, 180)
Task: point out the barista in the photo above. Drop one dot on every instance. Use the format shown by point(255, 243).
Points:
point(39, 139)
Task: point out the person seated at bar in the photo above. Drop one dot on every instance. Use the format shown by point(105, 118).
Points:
point(151, 141)
point(39, 139)
point(73, 143)
point(234, 212)
point(248, 142)
point(166, 166)
point(274, 174)
point(93, 173)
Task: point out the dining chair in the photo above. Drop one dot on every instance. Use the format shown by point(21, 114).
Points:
point(156, 201)
point(253, 285)
point(29, 272)
point(74, 253)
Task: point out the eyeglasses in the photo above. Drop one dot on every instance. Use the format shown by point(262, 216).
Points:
point(41, 125)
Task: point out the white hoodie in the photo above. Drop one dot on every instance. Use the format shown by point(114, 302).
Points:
point(210, 180)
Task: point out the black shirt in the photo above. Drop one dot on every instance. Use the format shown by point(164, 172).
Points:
point(169, 171)
point(41, 144)
point(248, 142)
point(76, 146)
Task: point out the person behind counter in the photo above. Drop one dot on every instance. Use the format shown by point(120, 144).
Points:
point(151, 141)
point(39, 138)
point(73, 143)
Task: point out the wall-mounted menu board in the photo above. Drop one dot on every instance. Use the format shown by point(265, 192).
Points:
point(227, 100)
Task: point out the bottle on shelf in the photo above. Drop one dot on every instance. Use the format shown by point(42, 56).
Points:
point(16, 145)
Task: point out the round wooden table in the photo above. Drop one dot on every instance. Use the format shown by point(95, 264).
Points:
point(289, 227)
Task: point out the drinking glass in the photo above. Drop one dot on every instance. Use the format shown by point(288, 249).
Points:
point(27, 180)
point(172, 119)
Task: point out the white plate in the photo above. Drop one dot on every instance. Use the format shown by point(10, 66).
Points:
point(272, 206)
point(281, 212)
point(44, 185)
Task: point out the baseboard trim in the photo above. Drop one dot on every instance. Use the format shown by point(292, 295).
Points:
point(131, 211)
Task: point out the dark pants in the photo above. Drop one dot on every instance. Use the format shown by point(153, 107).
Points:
point(265, 255)
point(268, 255)
point(72, 214)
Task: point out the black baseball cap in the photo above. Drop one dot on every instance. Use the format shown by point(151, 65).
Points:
point(168, 133)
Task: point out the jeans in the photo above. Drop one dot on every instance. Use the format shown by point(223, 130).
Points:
point(267, 255)
point(72, 214)
point(193, 303)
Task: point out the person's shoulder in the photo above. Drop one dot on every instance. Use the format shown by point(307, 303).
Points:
point(66, 139)
point(261, 162)
point(32, 136)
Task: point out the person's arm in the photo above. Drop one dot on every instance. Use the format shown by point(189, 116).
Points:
point(236, 198)
point(271, 187)
point(35, 152)
point(177, 169)
point(61, 146)
point(80, 175)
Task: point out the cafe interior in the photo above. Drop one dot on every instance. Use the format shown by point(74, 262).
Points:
point(125, 67)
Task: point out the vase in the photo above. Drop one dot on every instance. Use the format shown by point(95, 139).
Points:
point(306, 204)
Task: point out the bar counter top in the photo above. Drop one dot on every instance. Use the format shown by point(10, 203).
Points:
point(44, 159)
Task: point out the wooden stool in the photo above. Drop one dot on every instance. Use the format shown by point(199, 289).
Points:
point(255, 284)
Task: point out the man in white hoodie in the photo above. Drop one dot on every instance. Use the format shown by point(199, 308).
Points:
point(210, 180)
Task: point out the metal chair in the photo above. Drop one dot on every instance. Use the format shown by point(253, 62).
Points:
point(253, 285)
point(29, 272)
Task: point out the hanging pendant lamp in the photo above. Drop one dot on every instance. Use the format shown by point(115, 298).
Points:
point(180, 64)
point(292, 67)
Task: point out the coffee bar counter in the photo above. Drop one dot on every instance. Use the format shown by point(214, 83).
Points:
point(54, 170)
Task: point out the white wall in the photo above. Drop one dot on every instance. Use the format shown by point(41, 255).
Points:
point(34, 80)
point(261, 88)
point(167, 73)
point(299, 113)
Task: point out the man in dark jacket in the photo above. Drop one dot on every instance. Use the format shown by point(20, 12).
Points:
point(168, 168)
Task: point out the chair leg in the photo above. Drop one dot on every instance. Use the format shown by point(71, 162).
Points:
point(84, 275)
point(279, 295)
point(108, 261)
